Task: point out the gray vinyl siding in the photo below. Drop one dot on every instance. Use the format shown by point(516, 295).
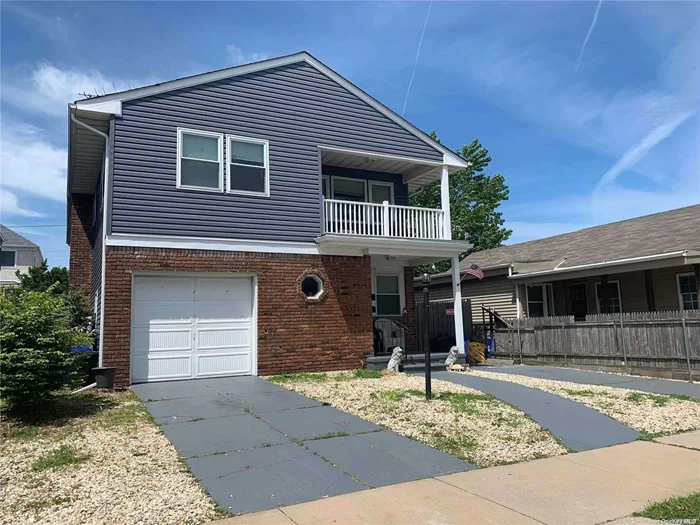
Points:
point(295, 107)
point(400, 189)
point(497, 293)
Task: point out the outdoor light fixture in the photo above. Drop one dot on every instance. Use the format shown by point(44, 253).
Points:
point(426, 279)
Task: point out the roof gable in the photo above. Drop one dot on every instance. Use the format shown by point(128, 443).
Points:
point(13, 239)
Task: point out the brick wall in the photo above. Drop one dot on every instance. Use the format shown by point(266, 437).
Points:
point(293, 334)
point(80, 265)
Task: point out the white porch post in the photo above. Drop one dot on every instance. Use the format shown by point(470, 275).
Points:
point(457, 294)
point(445, 203)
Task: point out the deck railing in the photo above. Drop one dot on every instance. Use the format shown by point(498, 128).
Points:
point(382, 220)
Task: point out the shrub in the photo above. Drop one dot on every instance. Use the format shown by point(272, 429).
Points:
point(36, 336)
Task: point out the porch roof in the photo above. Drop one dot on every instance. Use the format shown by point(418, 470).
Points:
point(672, 236)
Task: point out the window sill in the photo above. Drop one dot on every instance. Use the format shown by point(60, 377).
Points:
point(200, 188)
point(249, 193)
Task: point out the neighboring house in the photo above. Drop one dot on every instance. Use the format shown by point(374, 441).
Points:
point(16, 253)
point(650, 263)
point(252, 220)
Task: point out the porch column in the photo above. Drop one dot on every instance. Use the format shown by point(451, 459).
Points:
point(445, 204)
point(457, 294)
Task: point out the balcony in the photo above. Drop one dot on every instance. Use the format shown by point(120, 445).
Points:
point(382, 220)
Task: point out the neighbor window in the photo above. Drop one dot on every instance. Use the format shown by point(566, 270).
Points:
point(540, 300)
point(312, 286)
point(688, 292)
point(615, 303)
point(388, 294)
point(200, 160)
point(349, 189)
point(248, 165)
point(8, 258)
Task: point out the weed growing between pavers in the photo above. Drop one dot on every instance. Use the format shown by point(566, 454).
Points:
point(299, 377)
point(680, 508)
point(328, 435)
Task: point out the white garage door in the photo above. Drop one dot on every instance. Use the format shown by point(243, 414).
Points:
point(191, 327)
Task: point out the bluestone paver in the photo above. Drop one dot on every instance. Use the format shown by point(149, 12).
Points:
point(221, 434)
point(317, 421)
point(577, 426)
point(175, 411)
point(242, 385)
point(385, 458)
point(656, 386)
point(258, 402)
point(171, 390)
point(302, 478)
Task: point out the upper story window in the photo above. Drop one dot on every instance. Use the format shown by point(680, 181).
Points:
point(248, 169)
point(687, 292)
point(8, 258)
point(357, 190)
point(200, 160)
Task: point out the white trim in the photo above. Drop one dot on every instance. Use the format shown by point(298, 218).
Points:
point(266, 156)
point(619, 294)
point(371, 183)
point(545, 298)
point(446, 246)
point(326, 181)
point(339, 177)
point(3, 250)
point(371, 154)
point(227, 245)
point(318, 280)
point(678, 288)
point(101, 104)
point(402, 291)
point(669, 255)
point(211, 134)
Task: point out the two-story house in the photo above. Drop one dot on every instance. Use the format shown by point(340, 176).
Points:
point(17, 253)
point(251, 220)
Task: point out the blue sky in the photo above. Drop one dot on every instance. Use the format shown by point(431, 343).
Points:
point(590, 117)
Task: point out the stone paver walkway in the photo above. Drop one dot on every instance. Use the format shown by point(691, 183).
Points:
point(577, 426)
point(655, 386)
point(254, 445)
point(587, 488)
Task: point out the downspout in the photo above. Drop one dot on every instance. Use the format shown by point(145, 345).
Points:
point(105, 186)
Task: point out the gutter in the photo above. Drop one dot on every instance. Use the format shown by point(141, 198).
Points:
point(105, 186)
point(617, 262)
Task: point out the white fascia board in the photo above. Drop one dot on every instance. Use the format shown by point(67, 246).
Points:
point(227, 245)
point(395, 245)
point(370, 154)
point(109, 107)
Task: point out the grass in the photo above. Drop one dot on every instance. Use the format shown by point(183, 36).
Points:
point(299, 377)
point(680, 508)
point(328, 435)
point(396, 395)
point(464, 403)
point(659, 400)
point(63, 456)
point(584, 393)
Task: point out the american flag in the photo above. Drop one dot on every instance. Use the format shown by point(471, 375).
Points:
point(475, 271)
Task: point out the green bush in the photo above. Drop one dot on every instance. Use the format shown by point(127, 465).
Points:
point(36, 334)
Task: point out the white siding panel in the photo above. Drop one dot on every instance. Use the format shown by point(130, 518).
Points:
point(209, 365)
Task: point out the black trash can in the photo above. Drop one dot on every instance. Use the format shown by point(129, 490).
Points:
point(104, 376)
point(90, 359)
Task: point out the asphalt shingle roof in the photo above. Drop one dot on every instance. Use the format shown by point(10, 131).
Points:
point(665, 232)
point(11, 238)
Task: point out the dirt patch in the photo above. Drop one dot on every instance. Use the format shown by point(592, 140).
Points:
point(652, 414)
point(460, 421)
point(112, 465)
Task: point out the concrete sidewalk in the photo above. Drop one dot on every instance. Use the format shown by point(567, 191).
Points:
point(585, 488)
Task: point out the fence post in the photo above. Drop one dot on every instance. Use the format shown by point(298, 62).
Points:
point(563, 334)
point(622, 339)
point(385, 218)
point(687, 350)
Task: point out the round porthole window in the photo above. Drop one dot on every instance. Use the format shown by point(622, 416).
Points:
point(312, 286)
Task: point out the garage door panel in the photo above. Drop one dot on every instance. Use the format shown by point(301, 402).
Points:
point(222, 311)
point(167, 340)
point(223, 337)
point(237, 363)
point(223, 289)
point(147, 313)
point(160, 368)
point(163, 289)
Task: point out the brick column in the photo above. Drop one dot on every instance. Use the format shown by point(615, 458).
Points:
point(80, 265)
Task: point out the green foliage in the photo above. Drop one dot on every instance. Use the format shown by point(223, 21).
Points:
point(474, 200)
point(368, 374)
point(680, 508)
point(299, 377)
point(36, 335)
point(61, 457)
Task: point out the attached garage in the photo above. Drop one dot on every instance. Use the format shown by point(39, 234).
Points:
point(188, 327)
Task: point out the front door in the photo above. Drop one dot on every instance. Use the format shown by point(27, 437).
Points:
point(577, 301)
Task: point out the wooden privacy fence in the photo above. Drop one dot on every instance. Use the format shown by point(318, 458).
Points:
point(442, 320)
point(665, 343)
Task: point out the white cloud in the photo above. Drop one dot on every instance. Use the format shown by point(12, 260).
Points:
point(236, 56)
point(31, 164)
point(10, 206)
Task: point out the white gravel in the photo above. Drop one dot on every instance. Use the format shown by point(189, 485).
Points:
point(133, 475)
point(489, 432)
point(642, 411)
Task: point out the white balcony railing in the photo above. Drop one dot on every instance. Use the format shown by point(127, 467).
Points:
point(382, 220)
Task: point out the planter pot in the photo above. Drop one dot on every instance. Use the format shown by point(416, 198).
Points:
point(104, 376)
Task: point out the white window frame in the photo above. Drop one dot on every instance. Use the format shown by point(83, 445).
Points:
point(220, 138)
point(15, 258)
point(318, 280)
point(326, 181)
point(546, 288)
point(402, 293)
point(619, 294)
point(371, 183)
point(266, 156)
point(678, 287)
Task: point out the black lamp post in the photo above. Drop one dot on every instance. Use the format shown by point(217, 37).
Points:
point(426, 335)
